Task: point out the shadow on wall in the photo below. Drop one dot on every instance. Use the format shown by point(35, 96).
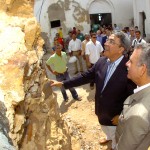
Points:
point(147, 38)
point(46, 46)
point(5, 141)
point(79, 14)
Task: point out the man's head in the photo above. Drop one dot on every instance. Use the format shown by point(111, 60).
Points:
point(138, 34)
point(115, 45)
point(139, 65)
point(115, 25)
point(132, 31)
point(98, 32)
point(74, 36)
point(58, 49)
point(56, 41)
point(57, 35)
point(93, 37)
point(74, 28)
point(87, 36)
point(70, 33)
point(78, 31)
point(90, 32)
point(136, 28)
point(108, 32)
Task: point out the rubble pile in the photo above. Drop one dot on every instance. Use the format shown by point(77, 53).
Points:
point(31, 112)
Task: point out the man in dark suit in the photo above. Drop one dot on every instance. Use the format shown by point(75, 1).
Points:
point(112, 85)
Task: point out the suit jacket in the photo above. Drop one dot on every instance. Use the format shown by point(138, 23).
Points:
point(133, 130)
point(104, 40)
point(109, 102)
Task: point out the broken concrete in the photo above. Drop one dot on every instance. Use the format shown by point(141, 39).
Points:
point(32, 113)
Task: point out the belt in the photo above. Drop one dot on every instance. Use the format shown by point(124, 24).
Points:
point(63, 72)
point(76, 51)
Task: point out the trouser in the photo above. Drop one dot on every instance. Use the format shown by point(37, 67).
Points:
point(110, 134)
point(79, 58)
point(62, 77)
point(92, 82)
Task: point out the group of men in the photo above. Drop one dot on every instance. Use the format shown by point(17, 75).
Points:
point(135, 38)
point(88, 49)
point(114, 98)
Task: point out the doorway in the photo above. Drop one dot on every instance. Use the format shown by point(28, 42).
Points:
point(142, 18)
point(101, 19)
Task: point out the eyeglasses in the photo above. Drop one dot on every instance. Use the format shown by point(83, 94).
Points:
point(110, 41)
point(94, 37)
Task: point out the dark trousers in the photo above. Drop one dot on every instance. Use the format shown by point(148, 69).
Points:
point(92, 82)
point(62, 77)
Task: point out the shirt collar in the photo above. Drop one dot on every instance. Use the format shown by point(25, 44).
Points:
point(141, 88)
point(138, 39)
point(117, 61)
point(58, 55)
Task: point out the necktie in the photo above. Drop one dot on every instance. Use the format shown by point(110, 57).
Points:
point(109, 73)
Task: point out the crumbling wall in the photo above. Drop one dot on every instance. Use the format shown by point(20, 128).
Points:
point(79, 15)
point(31, 107)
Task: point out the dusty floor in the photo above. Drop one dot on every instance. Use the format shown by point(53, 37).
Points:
point(81, 114)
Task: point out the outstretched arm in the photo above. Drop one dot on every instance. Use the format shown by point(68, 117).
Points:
point(56, 83)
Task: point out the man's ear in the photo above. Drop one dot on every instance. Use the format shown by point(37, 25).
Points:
point(143, 70)
point(122, 49)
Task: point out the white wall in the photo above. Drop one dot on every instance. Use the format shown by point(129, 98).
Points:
point(122, 14)
point(42, 17)
point(140, 6)
point(122, 11)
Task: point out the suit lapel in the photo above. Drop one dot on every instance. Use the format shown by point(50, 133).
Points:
point(134, 98)
point(139, 95)
point(119, 69)
point(104, 67)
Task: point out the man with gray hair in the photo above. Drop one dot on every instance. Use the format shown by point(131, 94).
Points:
point(133, 131)
point(83, 44)
point(112, 86)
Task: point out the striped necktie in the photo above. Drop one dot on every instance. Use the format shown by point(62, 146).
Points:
point(108, 73)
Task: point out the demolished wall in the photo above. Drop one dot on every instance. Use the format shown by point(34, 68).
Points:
point(31, 108)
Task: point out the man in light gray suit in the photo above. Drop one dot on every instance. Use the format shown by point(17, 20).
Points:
point(133, 131)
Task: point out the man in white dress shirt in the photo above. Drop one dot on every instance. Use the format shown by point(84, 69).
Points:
point(138, 39)
point(83, 45)
point(92, 52)
point(75, 50)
